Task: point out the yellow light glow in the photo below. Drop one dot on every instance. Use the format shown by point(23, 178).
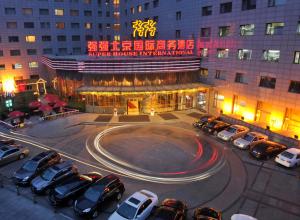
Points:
point(144, 28)
point(9, 85)
point(276, 121)
point(227, 107)
point(248, 116)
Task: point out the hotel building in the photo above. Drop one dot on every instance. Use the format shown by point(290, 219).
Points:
point(249, 53)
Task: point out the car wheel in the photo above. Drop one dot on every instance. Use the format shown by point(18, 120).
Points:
point(22, 156)
point(95, 214)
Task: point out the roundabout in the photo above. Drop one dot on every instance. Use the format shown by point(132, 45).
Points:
point(157, 153)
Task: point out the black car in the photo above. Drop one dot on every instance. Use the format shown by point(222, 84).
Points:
point(170, 209)
point(215, 126)
point(204, 120)
point(266, 149)
point(53, 176)
point(97, 195)
point(207, 213)
point(35, 166)
point(70, 189)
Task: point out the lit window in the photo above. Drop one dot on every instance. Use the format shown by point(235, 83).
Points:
point(222, 53)
point(88, 25)
point(60, 25)
point(59, 12)
point(117, 37)
point(271, 55)
point(139, 8)
point(247, 29)
point(17, 66)
point(297, 57)
point(267, 82)
point(30, 38)
point(224, 31)
point(33, 64)
point(204, 52)
point(275, 28)
point(294, 87)
point(273, 3)
point(132, 10)
point(244, 54)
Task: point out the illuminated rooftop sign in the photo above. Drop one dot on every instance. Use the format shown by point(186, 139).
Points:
point(141, 48)
point(144, 28)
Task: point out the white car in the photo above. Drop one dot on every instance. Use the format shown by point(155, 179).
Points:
point(289, 157)
point(233, 132)
point(248, 139)
point(138, 206)
point(242, 217)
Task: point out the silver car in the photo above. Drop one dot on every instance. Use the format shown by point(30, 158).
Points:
point(233, 132)
point(9, 153)
point(250, 138)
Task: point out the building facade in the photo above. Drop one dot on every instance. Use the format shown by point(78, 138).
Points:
point(249, 50)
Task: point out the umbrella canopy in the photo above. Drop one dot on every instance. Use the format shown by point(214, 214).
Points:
point(15, 114)
point(51, 98)
point(59, 103)
point(34, 104)
point(45, 108)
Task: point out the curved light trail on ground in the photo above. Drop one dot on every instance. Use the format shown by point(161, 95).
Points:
point(215, 163)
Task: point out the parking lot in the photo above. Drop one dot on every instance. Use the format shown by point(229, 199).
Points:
point(232, 182)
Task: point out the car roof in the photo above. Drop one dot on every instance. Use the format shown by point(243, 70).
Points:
point(59, 166)
point(5, 148)
point(137, 198)
point(107, 180)
point(257, 134)
point(42, 155)
point(293, 150)
point(238, 126)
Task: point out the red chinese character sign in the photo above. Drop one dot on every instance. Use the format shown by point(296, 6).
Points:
point(141, 48)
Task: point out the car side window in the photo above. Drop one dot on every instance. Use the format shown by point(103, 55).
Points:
point(144, 206)
point(255, 139)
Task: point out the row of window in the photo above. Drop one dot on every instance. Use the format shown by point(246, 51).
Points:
point(58, 25)
point(246, 5)
point(144, 7)
point(264, 82)
point(31, 65)
point(246, 54)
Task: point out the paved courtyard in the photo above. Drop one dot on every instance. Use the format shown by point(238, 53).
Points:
point(162, 153)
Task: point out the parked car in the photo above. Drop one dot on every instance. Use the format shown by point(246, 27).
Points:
point(203, 120)
point(233, 132)
point(69, 190)
point(266, 149)
point(249, 139)
point(7, 141)
point(138, 206)
point(10, 153)
point(215, 126)
point(289, 157)
point(206, 213)
point(52, 176)
point(170, 209)
point(99, 193)
point(33, 167)
point(242, 217)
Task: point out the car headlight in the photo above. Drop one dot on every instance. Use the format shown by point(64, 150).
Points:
point(87, 210)
point(26, 178)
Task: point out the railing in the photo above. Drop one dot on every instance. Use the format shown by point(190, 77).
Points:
point(59, 115)
point(8, 126)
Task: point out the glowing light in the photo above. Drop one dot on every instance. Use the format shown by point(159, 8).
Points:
point(276, 121)
point(144, 28)
point(227, 107)
point(9, 86)
point(248, 116)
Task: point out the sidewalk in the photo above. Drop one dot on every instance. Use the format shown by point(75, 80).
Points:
point(19, 207)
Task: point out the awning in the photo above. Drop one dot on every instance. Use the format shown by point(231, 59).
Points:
point(128, 89)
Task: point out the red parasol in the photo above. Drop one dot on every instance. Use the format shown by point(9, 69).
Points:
point(16, 114)
point(51, 98)
point(34, 104)
point(59, 104)
point(45, 108)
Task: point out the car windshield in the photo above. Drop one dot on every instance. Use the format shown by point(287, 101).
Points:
point(93, 193)
point(231, 130)
point(248, 137)
point(48, 174)
point(30, 166)
point(287, 154)
point(126, 211)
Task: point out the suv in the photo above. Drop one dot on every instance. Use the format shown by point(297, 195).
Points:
point(170, 209)
point(9, 153)
point(204, 119)
point(97, 194)
point(215, 126)
point(53, 176)
point(35, 166)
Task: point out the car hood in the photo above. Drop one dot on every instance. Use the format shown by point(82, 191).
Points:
point(116, 216)
point(83, 203)
point(226, 133)
point(22, 173)
point(241, 141)
point(39, 183)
